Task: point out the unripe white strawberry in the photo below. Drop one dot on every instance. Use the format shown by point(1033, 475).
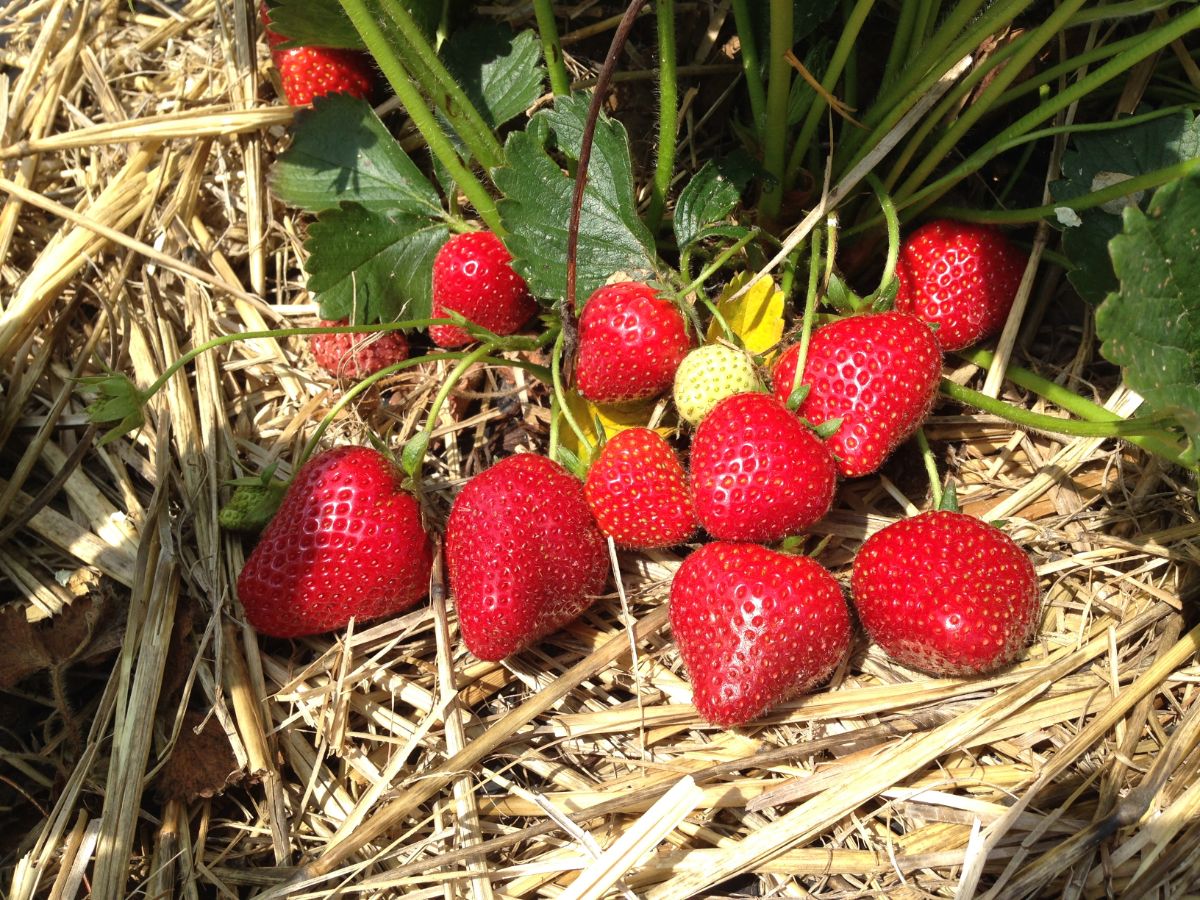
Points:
point(708, 375)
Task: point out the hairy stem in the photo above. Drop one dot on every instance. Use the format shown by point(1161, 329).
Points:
point(668, 109)
point(751, 65)
point(775, 132)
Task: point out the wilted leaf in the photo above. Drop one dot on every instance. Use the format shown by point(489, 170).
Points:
point(201, 764)
point(756, 317)
point(613, 419)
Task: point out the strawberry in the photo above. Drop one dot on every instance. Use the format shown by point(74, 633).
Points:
point(523, 553)
point(357, 355)
point(638, 492)
point(758, 473)
point(346, 543)
point(961, 277)
point(707, 376)
point(878, 373)
point(755, 627)
point(309, 72)
point(473, 276)
point(631, 341)
point(946, 593)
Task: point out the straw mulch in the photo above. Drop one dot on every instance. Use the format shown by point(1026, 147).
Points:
point(152, 745)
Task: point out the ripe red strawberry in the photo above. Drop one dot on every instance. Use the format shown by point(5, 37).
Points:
point(758, 473)
point(638, 492)
point(877, 373)
point(961, 277)
point(347, 542)
point(523, 554)
point(474, 277)
point(946, 593)
point(357, 355)
point(631, 341)
point(309, 72)
point(755, 627)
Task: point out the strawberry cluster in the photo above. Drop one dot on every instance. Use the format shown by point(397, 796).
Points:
point(525, 542)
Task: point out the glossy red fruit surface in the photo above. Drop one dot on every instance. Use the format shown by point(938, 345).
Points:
point(946, 593)
point(349, 355)
point(473, 276)
point(631, 341)
point(310, 72)
point(961, 277)
point(638, 492)
point(878, 373)
point(346, 542)
point(758, 473)
point(523, 554)
point(754, 628)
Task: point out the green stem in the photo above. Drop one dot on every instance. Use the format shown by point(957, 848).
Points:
point(1137, 430)
point(1087, 201)
point(810, 308)
point(1149, 44)
point(560, 395)
point(751, 66)
point(560, 81)
point(719, 261)
point(426, 122)
point(413, 456)
point(901, 39)
point(420, 59)
point(893, 232)
point(776, 127)
point(935, 482)
point(837, 63)
point(668, 110)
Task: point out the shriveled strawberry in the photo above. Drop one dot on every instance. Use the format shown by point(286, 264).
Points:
point(631, 341)
point(878, 373)
point(310, 72)
point(754, 628)
point(347, 542)
point(638, 492)
point(357, 355)
point(473, 276)
point(707, 376)
point(523, 554)
point(758, 473)
point(961, 277)
point(946, 593)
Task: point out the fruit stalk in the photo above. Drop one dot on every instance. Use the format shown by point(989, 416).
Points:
point(439, 144)
point(810, 309)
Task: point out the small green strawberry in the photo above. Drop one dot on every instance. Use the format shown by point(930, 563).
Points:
point(707, 376)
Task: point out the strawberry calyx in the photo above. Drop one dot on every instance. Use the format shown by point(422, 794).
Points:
point(118, 400)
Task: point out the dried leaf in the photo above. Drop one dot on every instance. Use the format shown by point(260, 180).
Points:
point(201, 764)
point(756, 317)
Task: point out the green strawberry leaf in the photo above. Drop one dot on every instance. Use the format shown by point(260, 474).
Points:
point(314, 23)
point(342, 152)
point(537, 204)
point(500, 71)
point(1099, 159)
point(323, 23)
point(370, 266)
point(1151, 326)
point(710, 196)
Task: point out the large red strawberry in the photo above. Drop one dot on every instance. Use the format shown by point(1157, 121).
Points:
point(631, 341)
point(755, 627)
point(347, 542)
point(877, 373)
point(946, 593)
point(523, 554)
point(961, 277)
point(357, 355)
point(310, 72)
point(758, 473)
point(638, 492)
point(473, 276)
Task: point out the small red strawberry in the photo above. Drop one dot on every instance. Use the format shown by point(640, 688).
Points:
point(961, 277)
point(473, 276)
point(347, 542)
point(523, 554)
point(878, 373)
point(309, 72)
point(631, 341)
point(638, 492)
point(758, 473)
point(946, 593)
point(357, 355)
point(754, 628)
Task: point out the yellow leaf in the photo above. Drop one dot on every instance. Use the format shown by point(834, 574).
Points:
point(614, 419)
point(756, 317)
